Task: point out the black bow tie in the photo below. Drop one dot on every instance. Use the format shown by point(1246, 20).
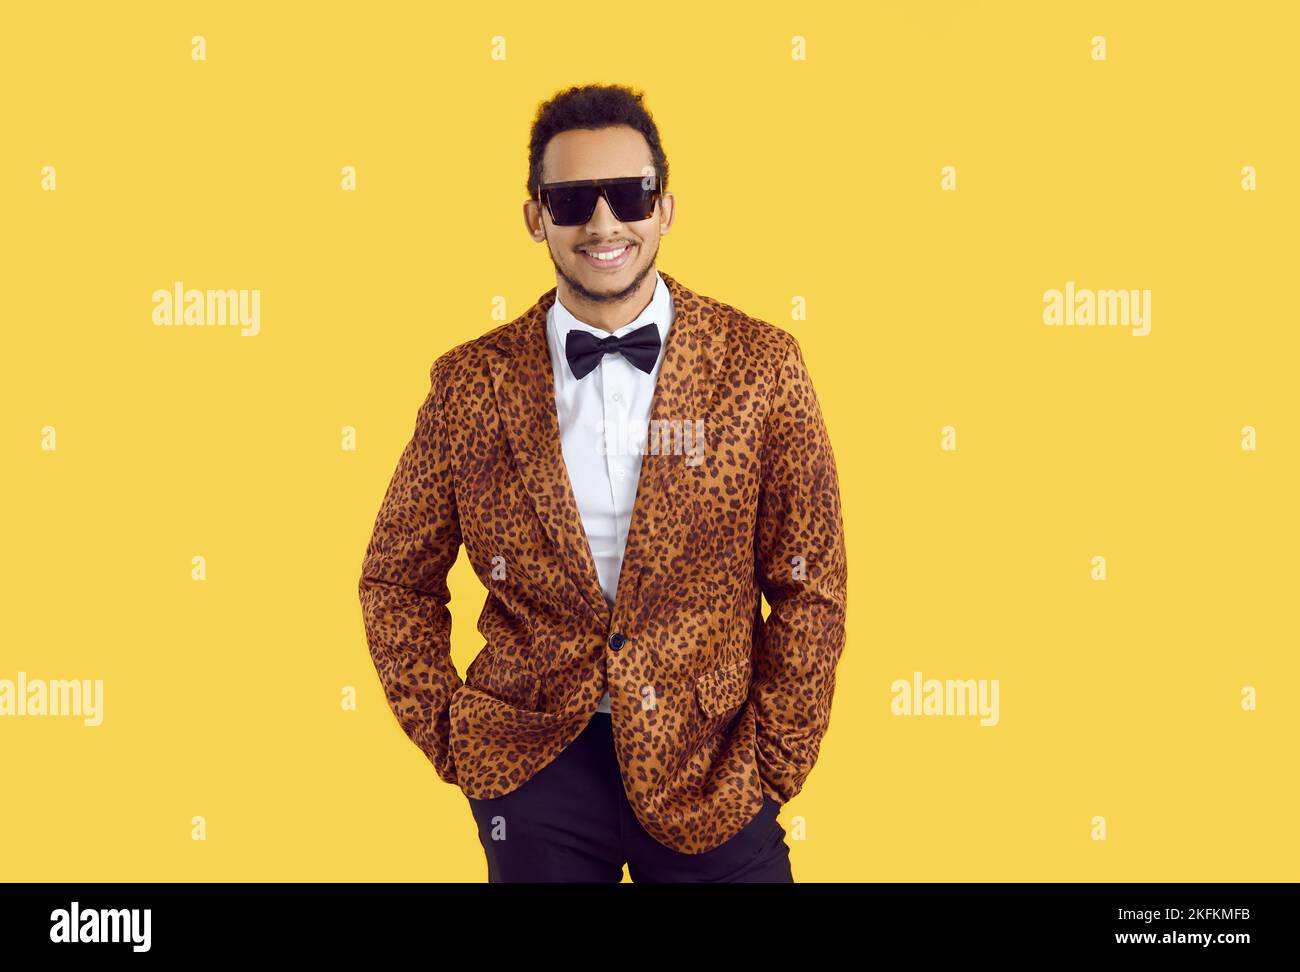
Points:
point(584, 350)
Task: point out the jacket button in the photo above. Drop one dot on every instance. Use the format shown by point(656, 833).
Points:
point(616, 641)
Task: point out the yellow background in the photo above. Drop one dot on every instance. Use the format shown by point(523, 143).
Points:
point(819, 179)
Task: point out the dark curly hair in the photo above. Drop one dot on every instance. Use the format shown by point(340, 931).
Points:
point(592, 106)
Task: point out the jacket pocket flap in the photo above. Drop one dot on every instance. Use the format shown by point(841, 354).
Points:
point(511, 683)
point(723, 689)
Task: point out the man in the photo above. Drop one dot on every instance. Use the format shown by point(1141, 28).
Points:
point(629, 465)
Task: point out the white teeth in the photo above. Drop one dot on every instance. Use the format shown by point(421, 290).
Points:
point(611, 255)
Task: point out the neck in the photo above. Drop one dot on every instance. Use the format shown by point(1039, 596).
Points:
point(607, 312)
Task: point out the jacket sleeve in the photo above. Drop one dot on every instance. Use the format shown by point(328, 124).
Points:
point(403, 585)
point(801, 570)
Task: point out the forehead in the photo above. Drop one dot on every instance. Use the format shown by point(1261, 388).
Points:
point(601, 153)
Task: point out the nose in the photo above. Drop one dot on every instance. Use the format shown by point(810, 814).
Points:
point(603, 221)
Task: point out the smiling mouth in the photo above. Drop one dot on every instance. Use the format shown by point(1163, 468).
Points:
point(609, 259)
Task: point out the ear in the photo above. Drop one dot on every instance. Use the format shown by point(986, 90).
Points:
point(667, 210)
point(533, 220)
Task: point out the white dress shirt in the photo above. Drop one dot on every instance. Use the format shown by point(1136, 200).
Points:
point(612, 403)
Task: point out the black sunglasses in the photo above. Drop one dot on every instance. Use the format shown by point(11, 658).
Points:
point(572, 203)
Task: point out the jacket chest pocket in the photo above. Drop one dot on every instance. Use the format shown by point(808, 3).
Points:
point(505, 681)
point(724, 690)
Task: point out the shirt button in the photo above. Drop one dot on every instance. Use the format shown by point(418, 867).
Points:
point(617, 397)
point(616, 641)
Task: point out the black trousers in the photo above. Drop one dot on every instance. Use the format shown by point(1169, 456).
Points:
point(571, 822)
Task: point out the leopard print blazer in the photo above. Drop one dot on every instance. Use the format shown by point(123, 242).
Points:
point(712, 705)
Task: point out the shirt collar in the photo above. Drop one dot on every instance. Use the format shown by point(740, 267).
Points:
point(660, 310)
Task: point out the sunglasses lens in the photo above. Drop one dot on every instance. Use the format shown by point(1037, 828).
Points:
point(630, 202)
point(572, 205)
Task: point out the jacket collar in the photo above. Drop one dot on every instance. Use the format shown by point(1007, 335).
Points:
point(524, 386)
